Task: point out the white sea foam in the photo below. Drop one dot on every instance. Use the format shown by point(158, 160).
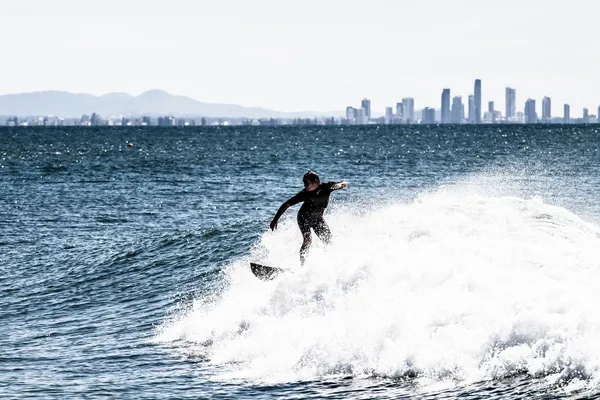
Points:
point(455, 287)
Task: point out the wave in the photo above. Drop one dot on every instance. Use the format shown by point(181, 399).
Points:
point(452, 288)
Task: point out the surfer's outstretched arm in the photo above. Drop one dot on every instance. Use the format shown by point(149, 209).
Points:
point(294, 200)
point(280, 212)
point(339, 185)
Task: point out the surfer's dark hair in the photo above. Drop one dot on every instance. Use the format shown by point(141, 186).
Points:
point(310, 177)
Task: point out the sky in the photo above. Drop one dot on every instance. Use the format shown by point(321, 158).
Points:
point(309, 55)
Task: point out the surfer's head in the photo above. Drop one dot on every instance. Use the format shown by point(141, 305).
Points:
point(311, 180)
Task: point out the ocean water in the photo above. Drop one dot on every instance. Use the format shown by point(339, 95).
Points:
point(465, 263)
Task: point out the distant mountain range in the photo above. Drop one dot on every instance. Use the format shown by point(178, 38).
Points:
point(151, 103)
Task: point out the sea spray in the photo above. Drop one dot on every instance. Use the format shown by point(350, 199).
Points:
point(453, 288)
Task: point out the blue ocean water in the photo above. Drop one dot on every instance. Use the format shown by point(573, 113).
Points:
point(464, 264)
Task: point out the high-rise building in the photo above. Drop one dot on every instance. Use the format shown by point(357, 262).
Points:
point(95, 120)
point(530, 114)
point(366, 104)
point(446, 106)
point(586, 116)
point(164, 121)
point(399, 112)
point(511, 104)
point(389, 115)
point(598, 115)
point(408, 104)
point(520, 117)
point(361, 116)
point(477, 101)
point(351, 113)
point(471, 117)
point(491, 112)
point(457, 110)
point(428, 116)
point(546, 110)
point(567, 114)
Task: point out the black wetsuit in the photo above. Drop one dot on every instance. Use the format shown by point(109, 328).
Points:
point(311, 212)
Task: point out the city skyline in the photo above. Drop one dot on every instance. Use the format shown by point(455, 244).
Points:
point(453, 112)
point(310, 56)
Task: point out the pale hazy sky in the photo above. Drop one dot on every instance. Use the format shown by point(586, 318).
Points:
point(306, 55)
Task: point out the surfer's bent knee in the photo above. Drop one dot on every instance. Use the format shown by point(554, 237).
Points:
point(307, 237)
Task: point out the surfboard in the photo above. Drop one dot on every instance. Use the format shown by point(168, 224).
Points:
point(265, 272)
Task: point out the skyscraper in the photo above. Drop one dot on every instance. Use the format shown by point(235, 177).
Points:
point(400, 112)
point(546, 110)
point(408, 105)
point(428, 116)
point(445, 106)
point(511, 103)
point(567, 115)
point(389, 115)
point(491, 112)
point(477, 101)
point(586, 116)
point(457, 110)
point(366, 104)
point(530, 114)
point(471, 109)
point(351, 114)
point(361, 116)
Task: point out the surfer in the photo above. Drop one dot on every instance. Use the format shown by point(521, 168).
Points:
point(315, 197)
